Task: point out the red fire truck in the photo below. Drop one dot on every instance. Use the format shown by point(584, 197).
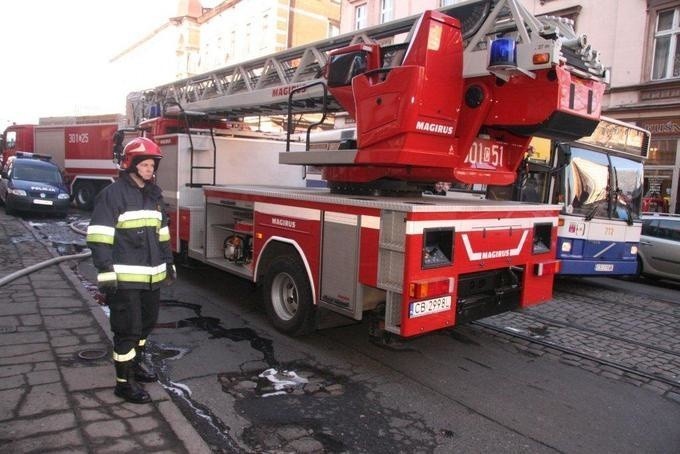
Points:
point(452, 103)
point(78, 145)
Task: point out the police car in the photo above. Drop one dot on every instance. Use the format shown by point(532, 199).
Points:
point(31, 182)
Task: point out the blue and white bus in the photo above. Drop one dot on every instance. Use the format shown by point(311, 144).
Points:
point(598, 180)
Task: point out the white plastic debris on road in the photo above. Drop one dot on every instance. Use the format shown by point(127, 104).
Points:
point(282, 381)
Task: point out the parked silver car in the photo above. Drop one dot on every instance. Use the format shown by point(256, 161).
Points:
point(659, 251)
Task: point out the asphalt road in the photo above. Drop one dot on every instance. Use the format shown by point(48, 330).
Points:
point(247, 388)
point(463, 390)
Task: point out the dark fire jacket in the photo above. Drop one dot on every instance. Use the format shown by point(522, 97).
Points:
point(129, 236)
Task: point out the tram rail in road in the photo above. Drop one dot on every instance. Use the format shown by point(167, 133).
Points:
point(634, 333)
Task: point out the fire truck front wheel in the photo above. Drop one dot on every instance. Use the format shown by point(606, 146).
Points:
point(288, 297)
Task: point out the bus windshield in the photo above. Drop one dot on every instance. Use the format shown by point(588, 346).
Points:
point(602, 186)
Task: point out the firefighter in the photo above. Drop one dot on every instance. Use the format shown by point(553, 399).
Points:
point(129, 238)
point(441, 188)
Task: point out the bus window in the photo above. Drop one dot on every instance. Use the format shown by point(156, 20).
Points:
point(628, 183)
point(587, 183)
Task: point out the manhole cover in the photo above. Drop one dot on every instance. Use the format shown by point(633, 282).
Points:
point(4, 329)
point(91, 354)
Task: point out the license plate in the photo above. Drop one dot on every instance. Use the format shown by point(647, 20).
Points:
point(427, 307)
point(42, 202)
point(604, 267)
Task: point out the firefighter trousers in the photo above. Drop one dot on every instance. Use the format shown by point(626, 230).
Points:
point(133, 315)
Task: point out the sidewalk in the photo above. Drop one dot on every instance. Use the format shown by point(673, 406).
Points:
point(51, 399)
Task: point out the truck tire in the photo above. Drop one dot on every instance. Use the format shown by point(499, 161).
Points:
point(287, 297)
point(84, 194)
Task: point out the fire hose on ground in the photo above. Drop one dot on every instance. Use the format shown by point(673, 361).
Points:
point(54, 260)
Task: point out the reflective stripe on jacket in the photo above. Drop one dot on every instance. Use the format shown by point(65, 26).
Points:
point(129, 235)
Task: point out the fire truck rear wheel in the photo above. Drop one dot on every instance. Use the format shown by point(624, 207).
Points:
point(83, 194)
point(288, 297)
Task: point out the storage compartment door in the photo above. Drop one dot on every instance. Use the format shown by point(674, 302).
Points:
point(339, 265)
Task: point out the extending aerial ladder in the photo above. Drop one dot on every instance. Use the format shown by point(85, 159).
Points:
point(459, 99)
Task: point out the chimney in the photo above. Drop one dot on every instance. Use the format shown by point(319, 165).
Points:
point(189, 8)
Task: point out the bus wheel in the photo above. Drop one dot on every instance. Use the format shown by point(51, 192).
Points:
point(288, 297)
point(84, 194)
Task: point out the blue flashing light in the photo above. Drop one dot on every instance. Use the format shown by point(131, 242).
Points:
point(503, 52)
point(154, 110)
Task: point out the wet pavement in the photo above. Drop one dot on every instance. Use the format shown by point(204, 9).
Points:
point(56, 372)
point(244, 388)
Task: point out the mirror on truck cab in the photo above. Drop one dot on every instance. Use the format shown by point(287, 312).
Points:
point(118, 137)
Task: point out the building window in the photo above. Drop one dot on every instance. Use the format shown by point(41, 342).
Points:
point(247, 39)
point(666, 61)
point(264, 36)
point(333, 29)
point(386, 11)
point(232, 43)
point(447, 2)
point(360, 17)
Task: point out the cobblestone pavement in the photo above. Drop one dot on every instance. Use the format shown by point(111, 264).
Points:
point(630, 337)
point(56, 373)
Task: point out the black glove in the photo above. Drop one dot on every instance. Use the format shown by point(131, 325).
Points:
point(107, 282)
point(171, 273)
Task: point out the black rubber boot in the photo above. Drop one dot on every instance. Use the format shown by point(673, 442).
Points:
point(142, 374)
point(127, 387)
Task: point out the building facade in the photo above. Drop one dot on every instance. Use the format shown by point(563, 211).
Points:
point(239, 30)
point(638, 40)
point(199, 39)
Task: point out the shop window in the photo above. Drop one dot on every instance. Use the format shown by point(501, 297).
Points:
point(662, 152)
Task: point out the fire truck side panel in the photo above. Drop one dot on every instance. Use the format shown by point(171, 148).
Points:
point(88, 150)
point(434, 263)
point(350, 263)
point(300, 227)
point(83, 151)
point(50, 141)
point(235, 160)
point(184, 225)
point(368, 264)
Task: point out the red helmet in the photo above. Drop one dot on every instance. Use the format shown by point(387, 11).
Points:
point(138, 150)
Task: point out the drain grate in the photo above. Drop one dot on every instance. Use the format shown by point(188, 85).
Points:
point(5, 329)
point(91, 354)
